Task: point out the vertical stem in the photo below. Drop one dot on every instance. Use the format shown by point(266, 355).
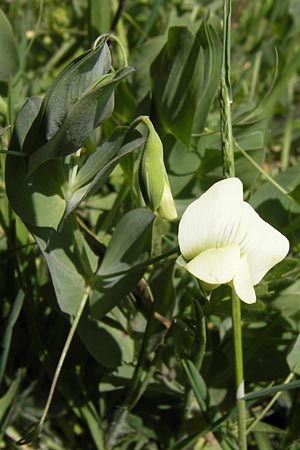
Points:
point(239, 371)
point(227, 142)
point(288, 132)
point(225, 98)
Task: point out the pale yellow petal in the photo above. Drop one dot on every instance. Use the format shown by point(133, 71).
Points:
point(216, 266)
point(212, 220)
point(242, 282)
point(264, 245)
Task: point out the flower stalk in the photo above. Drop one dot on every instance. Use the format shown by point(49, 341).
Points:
point(239, 369)
point(225, 97)
point(229, 171)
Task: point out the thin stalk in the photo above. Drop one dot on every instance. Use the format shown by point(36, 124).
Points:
point(8, 333)
point(113, 37)
point(13, 153)
point(225, 98)
point(227, 141)
point(239, 370)
point(261, 170)
point(63, 356)
point(256, 69)
point(288, 132)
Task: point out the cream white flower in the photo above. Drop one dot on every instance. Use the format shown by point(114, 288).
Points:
point(224, 241)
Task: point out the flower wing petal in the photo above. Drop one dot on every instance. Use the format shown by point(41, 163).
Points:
point(263, 244)
point(216, 265)
point(212, 220)
point(242, 282)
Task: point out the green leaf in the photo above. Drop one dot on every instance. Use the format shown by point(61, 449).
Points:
point(124, 262)
point(186, 78)
point(107, 343)
point(36, 199)
point(6, 401)
point(129, 245)
point(70, 262)
point(293, 357)
point(197, 383)
point(295, 194)
point(24, 121)
point(79, 77)
point(141, 59)
point(97, 168)
point(99, 17)
point(288, 301)
point(9, 58)
point(263, 427)
point(92, 108)
point(212, 59)
point(289, 180)
point(177, 76)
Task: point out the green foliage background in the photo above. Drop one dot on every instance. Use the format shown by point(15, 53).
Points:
point(151, 363)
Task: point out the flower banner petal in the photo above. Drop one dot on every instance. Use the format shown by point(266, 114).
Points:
point(216, 265)
point(212, 220)
point(242, 282)
point(264, 245)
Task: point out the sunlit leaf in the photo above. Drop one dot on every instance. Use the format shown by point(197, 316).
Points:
point(92, 108)
point(75, 81)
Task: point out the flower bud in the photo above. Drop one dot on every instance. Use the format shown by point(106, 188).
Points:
point(153, 177)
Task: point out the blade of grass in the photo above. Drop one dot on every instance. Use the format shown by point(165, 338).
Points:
point(272, 390)
point(268, 406)
point(6, 341)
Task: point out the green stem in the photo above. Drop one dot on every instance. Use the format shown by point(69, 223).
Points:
point(63, 356)
point(239, 371)
point(225, 98)
point(288, 132)
point(261, 170)
point(8, 333)
point(113, 37)
point(14, 153)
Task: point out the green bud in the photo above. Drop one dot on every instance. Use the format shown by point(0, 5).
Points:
point(153, 177)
